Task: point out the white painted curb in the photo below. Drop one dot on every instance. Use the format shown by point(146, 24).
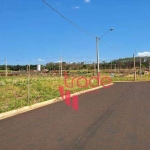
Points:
point(128, 81)
point(41, 104)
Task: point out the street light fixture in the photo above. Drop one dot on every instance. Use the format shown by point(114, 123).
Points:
point(97, 51)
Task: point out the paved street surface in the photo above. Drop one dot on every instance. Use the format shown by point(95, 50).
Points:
point(115, 118)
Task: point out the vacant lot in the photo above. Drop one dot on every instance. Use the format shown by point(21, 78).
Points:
point(19, 91)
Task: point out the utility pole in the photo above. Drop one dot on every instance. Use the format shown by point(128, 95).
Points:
point(97, 51)
point(61, 65)
point(115, 68)
point(93, 69)
point(134, 68)
point(5, 67)
point(97, 54)
point(140, 68)
point(111, 66)
point(28, 71)
point(59, 62)
point(149, 66)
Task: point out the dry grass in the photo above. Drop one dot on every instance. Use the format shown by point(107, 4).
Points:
point(14, 90)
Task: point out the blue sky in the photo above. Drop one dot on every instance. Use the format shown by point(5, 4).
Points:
point(30, 32)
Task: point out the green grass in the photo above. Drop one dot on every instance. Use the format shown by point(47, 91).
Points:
point(131, 78)
point(14, 91)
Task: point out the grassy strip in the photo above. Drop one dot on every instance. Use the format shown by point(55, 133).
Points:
point(14, 91)
point(131, 78)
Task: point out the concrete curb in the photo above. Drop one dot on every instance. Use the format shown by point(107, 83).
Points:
point(41, 104)
point(129, 81)
point(123, 81)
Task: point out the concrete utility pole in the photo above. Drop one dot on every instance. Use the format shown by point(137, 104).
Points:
point(149, 67)
point(140, 68)
point(94, 69)
point(61, 65)
point(111, 66)
point(28, 71)
point(115, 68)
point(134, 68)
point(6, 68)
point(97, 54)
point(97, 50)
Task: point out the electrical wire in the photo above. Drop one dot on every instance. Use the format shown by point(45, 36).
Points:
point(110, 46)
point(75, 24)
point(67, 19)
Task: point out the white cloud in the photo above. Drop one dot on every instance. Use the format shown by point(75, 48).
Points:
point(144, 54)
point(76, 7)
point(39, 59)
point(87, 1)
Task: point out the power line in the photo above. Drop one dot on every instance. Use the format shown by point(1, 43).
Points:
point(110, 46)
point(67, 19)
point(75, 24)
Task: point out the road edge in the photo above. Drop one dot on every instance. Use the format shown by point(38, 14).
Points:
point(42, 104)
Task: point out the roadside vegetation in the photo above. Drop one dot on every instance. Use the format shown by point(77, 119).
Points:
point(118, 78)
point(15, 92)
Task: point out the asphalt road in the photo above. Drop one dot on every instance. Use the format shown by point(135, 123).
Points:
point(115, 118)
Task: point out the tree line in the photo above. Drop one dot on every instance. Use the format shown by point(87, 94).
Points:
point(122, 63)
